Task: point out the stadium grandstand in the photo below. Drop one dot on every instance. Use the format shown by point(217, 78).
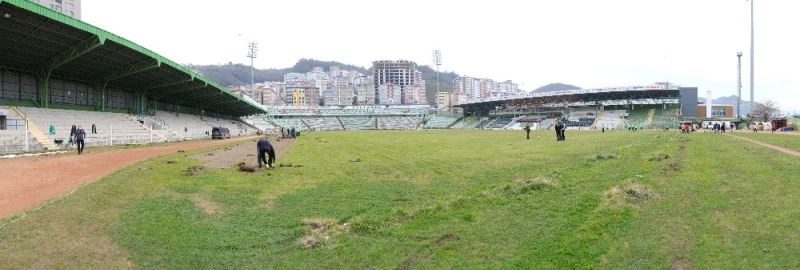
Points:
point(660, 105)
point(57, 71)
point(654, 106)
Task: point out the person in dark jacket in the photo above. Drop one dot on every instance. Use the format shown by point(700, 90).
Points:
point(558, 128)
point(264, 147)
point(72, 132)
point(528, 131)
point(80, 135)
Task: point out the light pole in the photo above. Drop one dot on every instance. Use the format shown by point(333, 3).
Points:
point(437, 60)
point(251, 53)
point(752, 57)
point(739, 85)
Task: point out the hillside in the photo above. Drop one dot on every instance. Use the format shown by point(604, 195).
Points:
point(239, 74)
point(555, 87)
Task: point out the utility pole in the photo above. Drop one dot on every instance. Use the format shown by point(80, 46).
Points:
point(752, 58)
point(739, 86)
point(251, 53)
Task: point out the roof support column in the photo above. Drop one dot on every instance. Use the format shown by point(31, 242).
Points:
point(141, 102)
point(43, 90)
point(43, 76)
point(100, 95)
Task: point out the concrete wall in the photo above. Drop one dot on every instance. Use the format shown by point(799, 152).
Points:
point(688, 101)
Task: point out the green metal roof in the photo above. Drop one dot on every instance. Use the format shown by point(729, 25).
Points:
point(38, 40)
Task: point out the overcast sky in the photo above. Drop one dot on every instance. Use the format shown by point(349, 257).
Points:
point(587, 43)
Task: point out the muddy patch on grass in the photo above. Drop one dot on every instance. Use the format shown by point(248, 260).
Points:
point(658, 157)
point(629, 194)
point(231, 156)
point(194, 170)
point(321, 230)
point(601, 157)
point(209, 207)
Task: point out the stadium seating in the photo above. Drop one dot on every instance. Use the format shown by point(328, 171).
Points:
point(358, 123)
point(399, 122)
point(500, 122)
point(610, 119)
point(13, 141)
point(440, 121)
point(665, 117)
point(290, 122)
point(637, 117)
point(467, 122)
point(112, 128)
point(184, 126)
point(323, 123)
point(547, 123)
point(237, 128)
point(581, 117)
point(260, 122)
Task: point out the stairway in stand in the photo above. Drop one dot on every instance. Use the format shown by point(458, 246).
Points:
point(35, 132)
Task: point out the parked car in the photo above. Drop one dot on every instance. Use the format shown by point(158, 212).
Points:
point(220, 133)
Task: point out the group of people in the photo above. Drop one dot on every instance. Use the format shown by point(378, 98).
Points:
point(289, 132)
point(560, 128)
point(720, 128)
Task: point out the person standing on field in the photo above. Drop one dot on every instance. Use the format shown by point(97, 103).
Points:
point(557, 127)
point(528, 131)
point(80, 136)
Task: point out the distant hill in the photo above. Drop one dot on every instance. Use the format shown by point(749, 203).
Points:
point(555, 87)
point(239, 74)
point(445, 82)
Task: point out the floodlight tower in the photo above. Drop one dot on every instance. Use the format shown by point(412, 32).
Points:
point(251, 53)
point(739, 86)
point(752, 57)
point(437, 60)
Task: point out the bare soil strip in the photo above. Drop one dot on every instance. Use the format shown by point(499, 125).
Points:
point(775, 147)
point(29, 181)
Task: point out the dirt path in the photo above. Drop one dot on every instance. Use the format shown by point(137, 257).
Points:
point(775, 147)
point(244, 152)
point(29, 181)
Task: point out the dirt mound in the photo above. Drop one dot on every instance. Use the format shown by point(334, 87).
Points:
point(527, 185)
point(247, 168)
point(633, 193)
point(321, 230)
point(231, 156)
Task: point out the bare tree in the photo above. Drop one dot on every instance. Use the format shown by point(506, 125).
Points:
point(765, 110)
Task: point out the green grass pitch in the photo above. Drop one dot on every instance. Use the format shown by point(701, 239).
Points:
point(436, 200)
